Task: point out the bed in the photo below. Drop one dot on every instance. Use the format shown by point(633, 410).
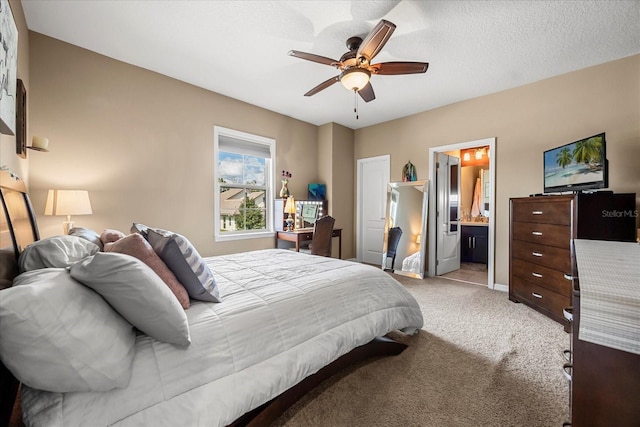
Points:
point(285, 321)
point(412, 263)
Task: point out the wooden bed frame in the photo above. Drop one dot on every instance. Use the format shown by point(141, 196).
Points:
point(9, 385)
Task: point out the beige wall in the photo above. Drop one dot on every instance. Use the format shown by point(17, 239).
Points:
point(335, 157)
point(343, 188)
point(8, 156)
point(526, 121)
point(142, 144)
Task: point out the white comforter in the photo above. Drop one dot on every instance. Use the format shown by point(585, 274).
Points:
point(412, 263)
point(283, 316)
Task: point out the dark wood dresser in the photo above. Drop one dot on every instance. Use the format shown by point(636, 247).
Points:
point(541, 230)
point(604, 365)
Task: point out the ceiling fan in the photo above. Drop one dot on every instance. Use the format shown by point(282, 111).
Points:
point(355, 66)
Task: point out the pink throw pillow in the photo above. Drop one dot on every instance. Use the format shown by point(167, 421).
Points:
point(136, 246)
point(109, 236)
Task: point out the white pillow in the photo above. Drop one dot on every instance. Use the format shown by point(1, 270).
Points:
point(57, 251)
point(136, 292)
point(60, 336)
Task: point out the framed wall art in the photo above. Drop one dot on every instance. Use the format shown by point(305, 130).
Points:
point(21, 120)
point(8, 69)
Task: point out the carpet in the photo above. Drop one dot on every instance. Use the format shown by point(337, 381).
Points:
point(480, 360)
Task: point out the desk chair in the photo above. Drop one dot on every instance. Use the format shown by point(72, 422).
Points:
point(392, 246)
point(322, 233)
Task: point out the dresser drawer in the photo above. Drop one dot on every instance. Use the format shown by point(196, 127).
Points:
point(542, 210)
point(548, 301)
point(554, 280)
point(544, 234)
point(549, 256)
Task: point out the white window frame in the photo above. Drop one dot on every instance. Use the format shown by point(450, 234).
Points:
point(221, 132)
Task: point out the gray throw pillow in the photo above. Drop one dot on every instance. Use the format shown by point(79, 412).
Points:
point(185, 262)
point(87, 234)
point(136, 292)
point(140, 229)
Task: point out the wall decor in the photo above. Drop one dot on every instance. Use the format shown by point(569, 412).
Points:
point(8, 69)
point(21, 120)
point(317, 191)
point(409, 172)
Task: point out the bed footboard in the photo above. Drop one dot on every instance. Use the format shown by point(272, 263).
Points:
point(266, 414)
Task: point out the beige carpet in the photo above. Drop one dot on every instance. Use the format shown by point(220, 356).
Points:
point(480, 360)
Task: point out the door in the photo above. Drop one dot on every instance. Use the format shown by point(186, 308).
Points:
point(448, 214)
point(373, 177)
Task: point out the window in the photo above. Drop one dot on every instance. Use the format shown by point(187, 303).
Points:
point(244, 185)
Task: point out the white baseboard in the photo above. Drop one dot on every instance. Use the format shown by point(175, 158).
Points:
point(499, 287)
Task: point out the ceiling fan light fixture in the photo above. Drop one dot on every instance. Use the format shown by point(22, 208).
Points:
point(355, 79)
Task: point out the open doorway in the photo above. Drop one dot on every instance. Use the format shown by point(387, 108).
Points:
point(454, 215)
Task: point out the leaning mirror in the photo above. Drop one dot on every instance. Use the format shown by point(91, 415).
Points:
point(404, 249)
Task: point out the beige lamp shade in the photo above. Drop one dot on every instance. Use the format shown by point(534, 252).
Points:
point(290, 206)
point(68, 202)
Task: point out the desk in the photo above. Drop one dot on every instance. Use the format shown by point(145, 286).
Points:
point(304, 234)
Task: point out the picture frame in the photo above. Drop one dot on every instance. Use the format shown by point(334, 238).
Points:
point(8, 69)
point(21, 119)
point(317, 191)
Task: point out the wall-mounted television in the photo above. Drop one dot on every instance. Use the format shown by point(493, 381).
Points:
point(578, 166)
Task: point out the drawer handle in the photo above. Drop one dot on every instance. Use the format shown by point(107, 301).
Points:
point(568, 313)
point(538, 275)
point(567, 355)
point(565, 368)
point(537, 295)
point(536, 254)
point(537, 233)
point(537, 212)
point(568, 276)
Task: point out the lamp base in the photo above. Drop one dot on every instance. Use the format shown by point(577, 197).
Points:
point(66, 226)
point(289, 222)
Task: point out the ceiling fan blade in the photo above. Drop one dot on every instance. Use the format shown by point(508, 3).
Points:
point(376, 39)
point(366, 93)
point(323, 85)
point(392, 68)
point(314, 58)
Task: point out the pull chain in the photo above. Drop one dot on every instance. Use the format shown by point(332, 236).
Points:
point(355, 103)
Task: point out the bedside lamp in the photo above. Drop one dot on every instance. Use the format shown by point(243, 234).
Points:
point(290, 208)
point(68, 202)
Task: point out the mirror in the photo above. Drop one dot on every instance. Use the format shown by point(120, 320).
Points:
point(475, 194)
point(405, 239)
point(308, 211)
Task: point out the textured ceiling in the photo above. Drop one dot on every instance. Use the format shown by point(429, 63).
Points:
point(239, 48)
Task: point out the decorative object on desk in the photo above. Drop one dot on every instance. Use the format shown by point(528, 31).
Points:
point(317, 191)
point(8, 69)
point(68, 202)
point(21, 120)
point(284, 191)
point(290, 208)
point(39, 143)
point(409, 172)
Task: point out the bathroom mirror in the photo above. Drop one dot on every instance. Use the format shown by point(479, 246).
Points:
point(406, 211)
